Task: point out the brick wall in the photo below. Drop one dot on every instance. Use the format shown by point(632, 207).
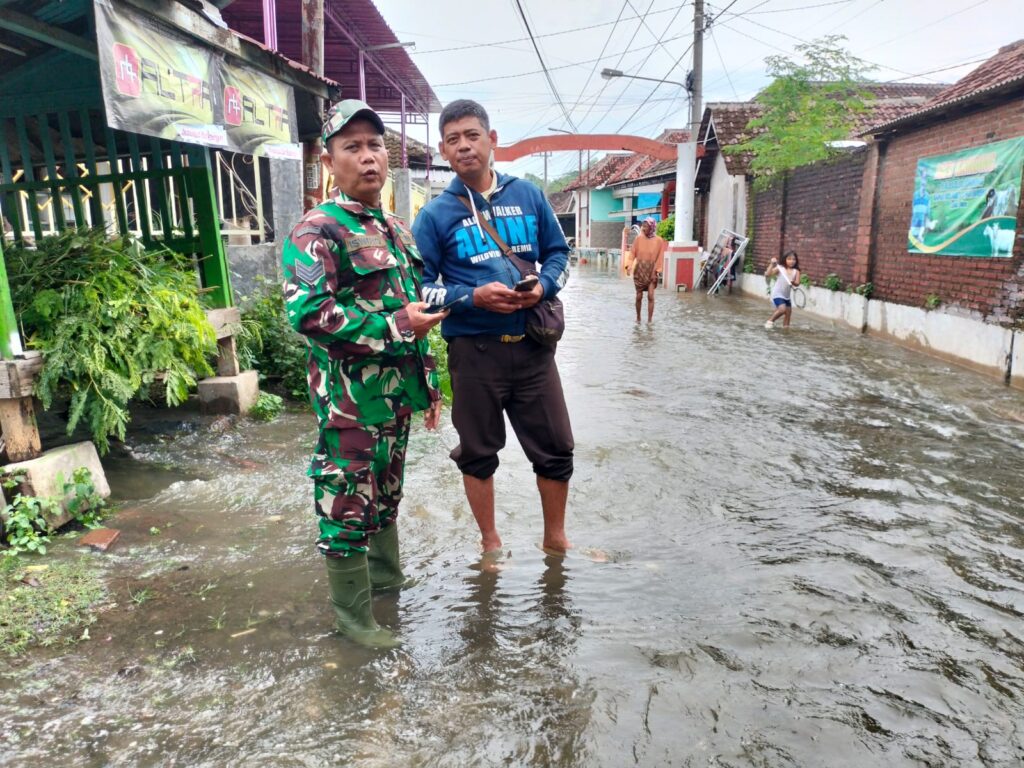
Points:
point(851, 218)
point(991, 288)
point(605, 234)
point(766, 218)
point(822, 204)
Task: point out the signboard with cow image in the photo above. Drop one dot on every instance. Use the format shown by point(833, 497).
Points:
point(159, 82)
point(965, 203)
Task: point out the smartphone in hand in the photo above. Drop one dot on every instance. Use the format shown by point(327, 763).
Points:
point(526, 284)
point(433, 309)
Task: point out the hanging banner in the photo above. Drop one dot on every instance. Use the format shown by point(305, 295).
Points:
point(965, 203)
point(259, 113)
point(160, 82)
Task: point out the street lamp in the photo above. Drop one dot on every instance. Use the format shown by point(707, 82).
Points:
point(362, 64)
point(611, 74)
point(686, 165)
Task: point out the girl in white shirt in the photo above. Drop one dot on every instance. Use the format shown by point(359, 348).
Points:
point(782, 292)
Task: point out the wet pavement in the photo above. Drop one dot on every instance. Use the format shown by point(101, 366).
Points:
point(811, 553)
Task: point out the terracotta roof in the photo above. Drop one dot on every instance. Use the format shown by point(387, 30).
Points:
point(561, 202)
point(415, 150)
point(1002, 72)
point(892, 100)
point(634, 166)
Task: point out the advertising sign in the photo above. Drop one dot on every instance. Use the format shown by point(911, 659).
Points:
point(965, 203)
point(159, 82)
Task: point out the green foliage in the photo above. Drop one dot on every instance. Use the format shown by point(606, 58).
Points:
point(439, 350)
point(808, 105)
point(865, 290)
point(932, 301)
point(24, 527)
point(268, 343)
point(805, 280)
point(42, 604)
point(749, 267)
point(267, 407)
point(111, 319)
point(833, 282)
point(666, 228)
point(556, 184)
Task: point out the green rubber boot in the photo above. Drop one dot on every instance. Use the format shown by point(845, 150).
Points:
point(349, 581)
point(385, 566)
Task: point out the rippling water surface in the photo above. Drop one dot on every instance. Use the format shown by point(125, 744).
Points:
point(794, 549)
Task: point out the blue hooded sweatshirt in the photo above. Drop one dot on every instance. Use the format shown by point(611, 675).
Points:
point(458, 254)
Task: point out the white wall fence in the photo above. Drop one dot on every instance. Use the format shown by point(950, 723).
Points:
point(977, 344)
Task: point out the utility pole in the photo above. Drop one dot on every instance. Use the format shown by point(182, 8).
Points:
point(312, 57)
point(546, 155)
point(696, 107)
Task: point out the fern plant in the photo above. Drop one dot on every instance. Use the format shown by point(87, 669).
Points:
point(111, 318)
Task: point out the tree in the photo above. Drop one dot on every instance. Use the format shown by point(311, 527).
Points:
point(808, 106)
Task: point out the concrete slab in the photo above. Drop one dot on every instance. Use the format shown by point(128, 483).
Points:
point(45, 474)
point(229, 394)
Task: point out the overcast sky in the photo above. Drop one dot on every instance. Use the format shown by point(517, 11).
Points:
point(476, 50)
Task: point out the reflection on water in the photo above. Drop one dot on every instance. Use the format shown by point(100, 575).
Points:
point(811, 555)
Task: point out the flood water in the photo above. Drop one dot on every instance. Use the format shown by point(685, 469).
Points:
point(799, 548)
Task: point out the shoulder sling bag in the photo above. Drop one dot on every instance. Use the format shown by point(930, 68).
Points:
point(545, 320)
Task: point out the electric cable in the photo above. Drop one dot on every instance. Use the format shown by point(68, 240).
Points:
point(547, 74)
point(469, 46)
point(646, 59)
point(603, 49)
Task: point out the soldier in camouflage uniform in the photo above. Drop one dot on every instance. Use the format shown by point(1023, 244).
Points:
point(352, 283)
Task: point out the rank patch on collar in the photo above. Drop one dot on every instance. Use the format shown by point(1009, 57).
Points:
point(309, 273)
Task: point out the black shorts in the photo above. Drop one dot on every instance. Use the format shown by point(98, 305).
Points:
point(490, 378)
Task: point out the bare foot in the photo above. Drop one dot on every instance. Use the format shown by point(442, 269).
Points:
point(490, 544)
point(557, 547)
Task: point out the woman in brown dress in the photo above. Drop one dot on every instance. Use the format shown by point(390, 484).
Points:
point(648, 255)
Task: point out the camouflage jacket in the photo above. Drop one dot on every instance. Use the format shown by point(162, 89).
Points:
point(349, 271)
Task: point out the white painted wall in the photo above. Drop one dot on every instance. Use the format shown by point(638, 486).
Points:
point(974, 342)
point(727, 202)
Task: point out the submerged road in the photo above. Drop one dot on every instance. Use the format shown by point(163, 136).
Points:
point(799, 548)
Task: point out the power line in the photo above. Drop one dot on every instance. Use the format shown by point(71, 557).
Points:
point(604, 86)
point(551, 69)
point(656, 87)
point(660, 41)
point(603, 49)
point(930, 24)
point(547, 75)
point(724, 68)
point(469, 45)
point(643, 21)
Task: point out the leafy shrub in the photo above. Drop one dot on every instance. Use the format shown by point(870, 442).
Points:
point(865, 290)
point(439, 349)
point(267, 407)
point(24, 526)
point(268, 343)
point(111, 319)
point(833, 282)
point(805, 281)
point(932, 301)
point(666, 229)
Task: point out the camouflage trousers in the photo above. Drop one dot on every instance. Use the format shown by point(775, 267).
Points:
point(357, 483)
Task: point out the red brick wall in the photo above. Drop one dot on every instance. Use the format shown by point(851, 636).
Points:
point(991, 287)
point(822, 204)
point(766, 225)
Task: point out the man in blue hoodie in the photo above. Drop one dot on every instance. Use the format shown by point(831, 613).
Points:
point(495, 367)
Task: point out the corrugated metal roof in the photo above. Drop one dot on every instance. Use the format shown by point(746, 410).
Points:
point(341, 58)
